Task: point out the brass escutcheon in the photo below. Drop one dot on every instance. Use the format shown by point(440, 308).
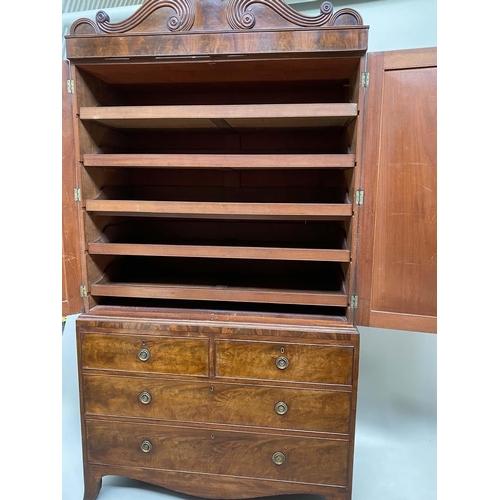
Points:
point(146, 446)
point(145, 397)
point(143, 354)
point(279, 458)
point(281, 408)
point(282, 362)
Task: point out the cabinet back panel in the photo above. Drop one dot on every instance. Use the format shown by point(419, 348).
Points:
point(218, 140)
point(219, 177)
point(285, 274)
point(217, 185)
point(236, 93)
point(232, 233)
point(232, 280)
point(224, 72)
point(217, 82)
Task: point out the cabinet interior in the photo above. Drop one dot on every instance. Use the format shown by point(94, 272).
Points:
point(221, 185)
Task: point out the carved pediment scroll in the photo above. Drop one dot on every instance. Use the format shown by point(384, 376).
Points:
point(181, 20)
point(175, 16)
point(241, 17)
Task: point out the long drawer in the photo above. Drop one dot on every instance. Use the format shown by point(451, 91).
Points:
point(237, 404)
point(309, 460)
point(181, 356)
point(322, 364)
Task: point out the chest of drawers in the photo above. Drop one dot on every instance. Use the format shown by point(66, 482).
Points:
point(202, 408)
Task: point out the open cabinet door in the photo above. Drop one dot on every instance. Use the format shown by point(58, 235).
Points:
point(397, 259)
point(72, 303)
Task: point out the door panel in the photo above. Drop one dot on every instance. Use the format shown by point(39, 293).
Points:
point(397, 271)
point(72, 303)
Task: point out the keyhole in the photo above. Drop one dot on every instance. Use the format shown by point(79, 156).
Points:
point(143, 342)
point(282, 350)
point(212, 436)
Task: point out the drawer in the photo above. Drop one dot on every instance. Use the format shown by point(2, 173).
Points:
point(137, 354)
point(274, 407)
point(321, 364)
point(310, 460)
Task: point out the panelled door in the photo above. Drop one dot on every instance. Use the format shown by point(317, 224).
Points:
point(72, 303)
point(397, 260)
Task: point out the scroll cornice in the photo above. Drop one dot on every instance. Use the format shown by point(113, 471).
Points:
point(240, 15)
point(182, 20)
point(353, 14)
point(214, 16)
point(83, 22)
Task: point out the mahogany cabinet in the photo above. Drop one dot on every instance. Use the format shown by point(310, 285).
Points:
point(243, 186)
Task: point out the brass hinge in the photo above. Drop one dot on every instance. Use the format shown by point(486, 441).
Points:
point(83, 291)
point(360, 194)
point(354, 301)
point(77, 194)
point(70, 84)
point(365, 79)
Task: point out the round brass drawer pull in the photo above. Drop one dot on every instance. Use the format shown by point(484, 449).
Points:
point(145, 397)
point(146, 446)
point(279, 458)
point(281, 408)
point(282, 362)
point(143, 354)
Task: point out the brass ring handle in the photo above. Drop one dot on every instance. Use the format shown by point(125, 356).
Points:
point(145, 397)
point(143, 354)
point(279, 458)
point(146, 446)
point(281, 408)
point(282, 362)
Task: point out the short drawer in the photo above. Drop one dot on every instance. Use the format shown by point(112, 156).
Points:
point(322, 364)
point(309, 460)
point(136, 354)
point(236, 404)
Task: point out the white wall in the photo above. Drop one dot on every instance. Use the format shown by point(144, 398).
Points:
point(394, 24)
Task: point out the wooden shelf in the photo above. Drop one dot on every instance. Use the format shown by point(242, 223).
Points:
point(224, 116)
point(312, 211)
point(257, 240)
point(238, 161)
point(217, 292)
point(221, 279)
point(228, 252)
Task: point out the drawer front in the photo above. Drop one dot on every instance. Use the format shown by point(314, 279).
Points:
point(310, 460)
point(299, 409)
point(137, 354)
point(321, 364)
